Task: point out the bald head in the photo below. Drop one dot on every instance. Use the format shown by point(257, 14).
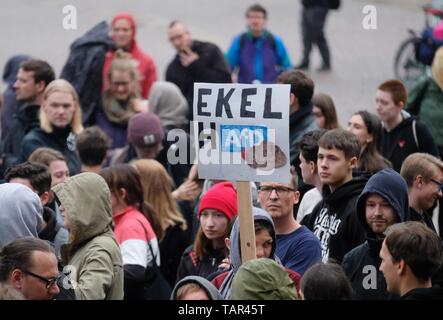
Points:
point(179, 36)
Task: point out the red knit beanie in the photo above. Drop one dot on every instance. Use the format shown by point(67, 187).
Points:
point(221, 197)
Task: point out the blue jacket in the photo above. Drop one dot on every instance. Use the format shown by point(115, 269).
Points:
point(361, 264)
point(261, 58)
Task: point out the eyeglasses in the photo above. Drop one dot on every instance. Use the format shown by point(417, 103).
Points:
point(280, 190)
point(438, 183)
point(49, 281)
point(117, 84)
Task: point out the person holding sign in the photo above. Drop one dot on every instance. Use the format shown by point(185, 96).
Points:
point(265, 248)
point(217, 209)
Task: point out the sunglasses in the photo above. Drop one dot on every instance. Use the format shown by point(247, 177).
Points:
point(49, 281)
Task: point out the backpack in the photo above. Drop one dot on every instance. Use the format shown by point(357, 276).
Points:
point(426, 47)
point(270, 37)
point(334, 4)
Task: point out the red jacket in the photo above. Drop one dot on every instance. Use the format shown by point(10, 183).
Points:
point(146, 65)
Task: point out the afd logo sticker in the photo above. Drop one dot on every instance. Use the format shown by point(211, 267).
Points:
point(235, 138)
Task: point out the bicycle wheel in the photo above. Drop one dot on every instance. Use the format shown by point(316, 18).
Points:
point(406, 68)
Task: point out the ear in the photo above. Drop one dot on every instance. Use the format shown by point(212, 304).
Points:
point(40, 86)
point(401, 104)
point(370, 139)
point(292, 99)
point(228, 243)
point(401, 267)
point(312, 167)
point(44, 198)
point(296, 196)
point(353, 162)
point(16, 279)
point(418, 181)
point(122, 193)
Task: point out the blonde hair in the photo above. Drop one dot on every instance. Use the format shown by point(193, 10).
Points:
point(437, 68)
point(124, 62)
point(422, 164)
point(157, 189)
point(61, 85)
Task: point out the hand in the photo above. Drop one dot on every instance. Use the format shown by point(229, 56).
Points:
point(226, 264)
point(187, 56)
point(138, 105)
point(187, 191)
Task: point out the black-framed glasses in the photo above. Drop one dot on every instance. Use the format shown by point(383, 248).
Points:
point(280, 190)
point(49, 281)
point(438, 183)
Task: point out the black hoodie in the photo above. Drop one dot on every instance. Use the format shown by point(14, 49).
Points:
point(362, 263)
point(434, 293)
point(399, 143)
point(334, 221)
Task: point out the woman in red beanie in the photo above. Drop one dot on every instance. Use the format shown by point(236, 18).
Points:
point(216, 211)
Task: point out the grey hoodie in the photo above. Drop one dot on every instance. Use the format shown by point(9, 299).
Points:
point(235, 254)
point(169, 104)
point(21, 213)
point(210, 289)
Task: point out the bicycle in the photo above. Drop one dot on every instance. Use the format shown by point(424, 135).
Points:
point(406, 66)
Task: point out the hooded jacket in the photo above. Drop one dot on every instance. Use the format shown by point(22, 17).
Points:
point(169, 104)
point(362, 263)
point(334, 220)
point(235, 254)
point(84, 67)
point(21, 213)
point(146, 65)
point(93, 255)
point(211, 291)
point(262, 279)
point(399, 143)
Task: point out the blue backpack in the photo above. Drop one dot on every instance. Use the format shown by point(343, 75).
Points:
point(426, 47)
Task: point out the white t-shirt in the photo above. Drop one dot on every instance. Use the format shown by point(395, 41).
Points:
point(310, 199)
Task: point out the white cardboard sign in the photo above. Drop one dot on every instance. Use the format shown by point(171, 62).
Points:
point(242, 131)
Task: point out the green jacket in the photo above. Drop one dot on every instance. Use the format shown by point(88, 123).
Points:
point(92, 256)
point(425, 99)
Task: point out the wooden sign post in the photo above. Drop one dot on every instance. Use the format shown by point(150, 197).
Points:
point(247, 231)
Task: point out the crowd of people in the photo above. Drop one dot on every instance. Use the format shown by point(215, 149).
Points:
point(91, 208)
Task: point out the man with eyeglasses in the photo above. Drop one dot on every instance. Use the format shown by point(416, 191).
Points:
point(297, 247)
point(424, 175)
point(29, 265)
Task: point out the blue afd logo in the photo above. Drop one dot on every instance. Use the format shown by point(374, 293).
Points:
point(235, 138)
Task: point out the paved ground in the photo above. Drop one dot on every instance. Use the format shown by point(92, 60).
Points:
point(361, 58)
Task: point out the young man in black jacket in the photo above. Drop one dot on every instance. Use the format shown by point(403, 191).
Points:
point(32, 79)
point(334, 220)
point(411, 253)
point(383, 202)
point(403, 134)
